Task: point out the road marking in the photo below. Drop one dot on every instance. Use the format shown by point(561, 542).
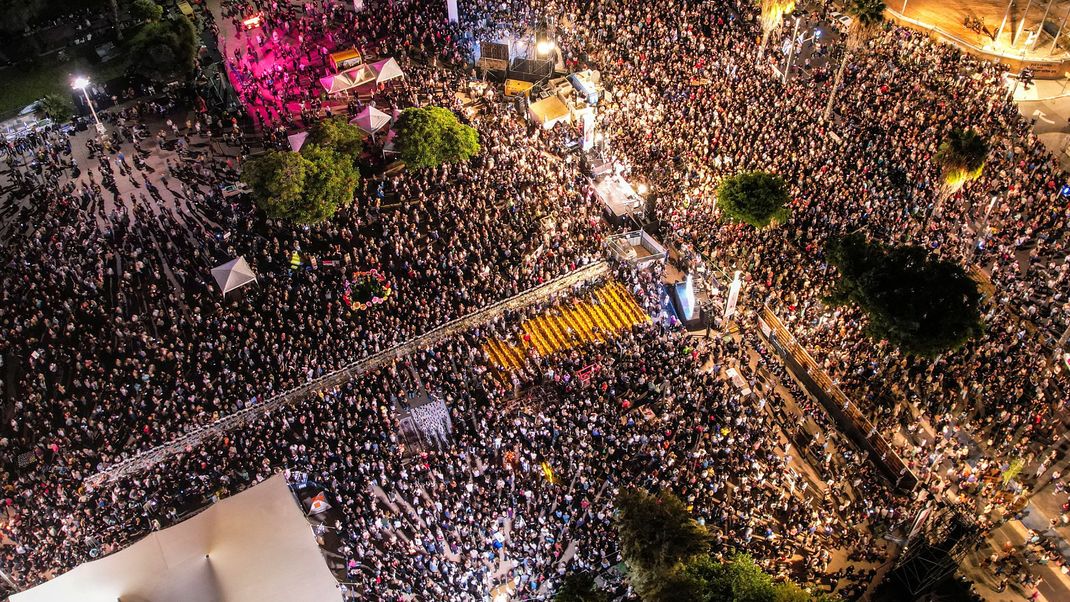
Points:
point(1040, 115)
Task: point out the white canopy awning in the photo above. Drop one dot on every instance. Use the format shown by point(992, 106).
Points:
point(386, 70)
point(350, 78)
point(370, 120)
point(233, 274)
point(255, 546)
point(297, 141)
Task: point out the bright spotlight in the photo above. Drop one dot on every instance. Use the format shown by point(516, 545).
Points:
point(80, 83)
point(545, 47)
point(642, 188)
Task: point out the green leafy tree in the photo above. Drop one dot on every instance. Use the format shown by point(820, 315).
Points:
point(431, 136)
point(306, 187)
point(740, 579)
point(165, 49)
point(329, 184)
point(145, 10)
point(656, 534)
point(756, 198)
point(580, 587)
point(336, 133)
point(866, 18)
point(921, 304)
point(277, 180)
point(56, 107)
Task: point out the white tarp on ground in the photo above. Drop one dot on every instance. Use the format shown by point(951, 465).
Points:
point(233, 274)
point(386, 70)
point(260, 549)
point(370, 120)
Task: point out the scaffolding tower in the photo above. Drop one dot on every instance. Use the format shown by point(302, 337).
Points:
point(941, 535)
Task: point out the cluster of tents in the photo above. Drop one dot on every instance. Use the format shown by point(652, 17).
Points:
point(361, 75)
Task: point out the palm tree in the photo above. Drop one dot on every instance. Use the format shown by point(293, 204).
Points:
point(866, 17)
point(56, 107)
point(961, 158)
point(773, 12)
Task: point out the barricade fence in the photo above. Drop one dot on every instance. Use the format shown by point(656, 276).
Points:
point(836, 403)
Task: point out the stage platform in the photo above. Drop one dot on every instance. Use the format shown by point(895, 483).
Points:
point(619, 199)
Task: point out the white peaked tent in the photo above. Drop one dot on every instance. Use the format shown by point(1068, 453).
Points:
point(350, 78)
point(255, 546)
point(233, 274)
point(371, 119)
point(297, 141)
point(386, 70)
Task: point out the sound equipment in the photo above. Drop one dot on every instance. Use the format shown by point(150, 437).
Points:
point(493, 56)
point(531, 70)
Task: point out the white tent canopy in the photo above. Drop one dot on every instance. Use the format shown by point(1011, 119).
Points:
point(386, 70)
point(233, 274)
point(297, 141)
point(252, 547)
point(350, 78)
point(371, 120)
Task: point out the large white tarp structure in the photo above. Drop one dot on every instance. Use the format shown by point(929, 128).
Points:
point(233, 274)
point(370, 120)
point(253, 547)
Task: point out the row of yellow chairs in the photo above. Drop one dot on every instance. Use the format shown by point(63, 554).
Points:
point(564, 327)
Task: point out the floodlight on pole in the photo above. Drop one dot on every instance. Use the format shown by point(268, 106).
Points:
point(82, 83)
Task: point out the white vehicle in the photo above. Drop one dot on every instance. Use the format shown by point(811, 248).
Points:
point(237, 189)
point(841, 20)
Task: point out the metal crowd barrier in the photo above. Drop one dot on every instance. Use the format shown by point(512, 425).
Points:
point(846, 413)
point(197, 435)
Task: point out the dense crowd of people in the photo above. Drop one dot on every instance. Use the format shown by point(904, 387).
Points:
point(116, 339)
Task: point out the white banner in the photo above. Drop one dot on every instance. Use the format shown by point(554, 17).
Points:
point(733, 296)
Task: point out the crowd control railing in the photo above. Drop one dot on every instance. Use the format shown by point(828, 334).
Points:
point(193, 438)
point(859, 428)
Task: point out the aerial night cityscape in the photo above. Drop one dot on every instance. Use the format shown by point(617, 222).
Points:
point(534, 300)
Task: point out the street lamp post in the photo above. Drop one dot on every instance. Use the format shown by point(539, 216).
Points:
point(82, 83)
point(791, 49)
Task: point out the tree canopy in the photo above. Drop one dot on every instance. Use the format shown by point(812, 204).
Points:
point(961, 157)
point(772, 16)
point(306, 187)
point(57, 107)
point(756, 198)
point(165, 49)
point(580, 587)
point(145, 10)
point(866, 17)
point(739, 579)
point(921, 304)
point(656, 534)
point(330, 183)
point(431, 136)
point(337, 133)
